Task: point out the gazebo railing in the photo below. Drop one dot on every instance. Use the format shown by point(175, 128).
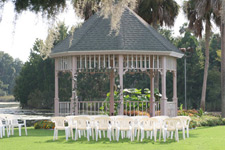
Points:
point(92, 107)
point(64, 108)
point(131, 108)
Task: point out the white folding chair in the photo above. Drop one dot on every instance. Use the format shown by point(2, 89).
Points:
point(124, 124)
point(82, 125)
point(103, 124)
point(3, 125)
point(148, 125)
point(170, 125)
point(159, 124)
point(13, 121)
point(186, 121)
point(60, 125)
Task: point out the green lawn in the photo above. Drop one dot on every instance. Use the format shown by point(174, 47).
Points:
point(204, 138)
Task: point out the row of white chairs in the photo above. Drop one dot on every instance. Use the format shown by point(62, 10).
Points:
point(121, 126)
point(9, 122)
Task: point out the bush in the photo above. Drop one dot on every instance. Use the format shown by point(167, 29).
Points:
point(206, 120)
point(44, 124)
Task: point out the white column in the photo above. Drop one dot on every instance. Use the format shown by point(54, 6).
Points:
point(121, 83)
point(74, 71)
point(175, 99)
point(163, 100)
point(56, 100)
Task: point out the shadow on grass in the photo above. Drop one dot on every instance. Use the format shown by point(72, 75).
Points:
point(61, 138)
point(83, 140)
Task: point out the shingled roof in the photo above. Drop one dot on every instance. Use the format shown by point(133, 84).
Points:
point(135, 35)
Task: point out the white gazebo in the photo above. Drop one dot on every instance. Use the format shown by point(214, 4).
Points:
point(137, 48)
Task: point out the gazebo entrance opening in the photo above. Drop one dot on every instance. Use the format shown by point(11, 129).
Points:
point(116, 64)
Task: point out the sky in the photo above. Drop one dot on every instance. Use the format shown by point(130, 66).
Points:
point(17, 38)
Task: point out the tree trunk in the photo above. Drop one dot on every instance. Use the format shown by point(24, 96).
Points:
point(223, 68)
point(207, 37)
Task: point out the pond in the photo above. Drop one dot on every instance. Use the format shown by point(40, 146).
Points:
point(14, 108)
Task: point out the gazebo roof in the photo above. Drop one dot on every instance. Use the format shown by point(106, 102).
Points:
point(135, 36)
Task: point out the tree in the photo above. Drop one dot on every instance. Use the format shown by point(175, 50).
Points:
point(199, 12)
point(158, 12)
point(35, 84)
point(223, 59)
point(10, 68)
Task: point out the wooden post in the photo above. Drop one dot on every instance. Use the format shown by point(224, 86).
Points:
point(175, 88)
point(121, 83)
point(56, 100)
point(152, 97)
point(163, 100)
point(112, 81)
point(75, 85)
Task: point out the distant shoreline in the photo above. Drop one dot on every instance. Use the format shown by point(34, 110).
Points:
point(8, 98)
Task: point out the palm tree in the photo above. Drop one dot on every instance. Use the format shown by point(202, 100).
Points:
point(158, 12)
point(199, 12)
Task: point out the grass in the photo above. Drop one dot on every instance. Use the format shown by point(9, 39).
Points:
point(202, 138)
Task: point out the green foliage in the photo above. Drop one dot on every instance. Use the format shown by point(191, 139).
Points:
point(132, 95)
point(206, 120)
point(40, 99)
point(201, 112)
point(47, 7)
point(9, 70)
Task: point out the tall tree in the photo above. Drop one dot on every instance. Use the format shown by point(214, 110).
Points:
point(223, 58)
point(199, 12)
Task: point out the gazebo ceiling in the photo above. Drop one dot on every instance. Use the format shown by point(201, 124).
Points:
point(135, 37)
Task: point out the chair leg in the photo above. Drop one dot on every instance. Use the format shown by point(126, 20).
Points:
point(138, 134)
point(25, 129)
point(1, 132)
point(155, 134)
point(88, 133)
point(183, 133)
point(67, 133)
point(19, 130)
point(76, 134)
point(177, 137)
point(54, 134)
point(164, 135)
point(92, 134)
point(113, 134)
point(109, 134)
point(12, 130)
point(96, 133)
point(171, 135)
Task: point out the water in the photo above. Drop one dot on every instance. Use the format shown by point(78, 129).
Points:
point(14, 108)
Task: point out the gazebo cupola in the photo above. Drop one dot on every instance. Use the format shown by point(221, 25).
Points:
point(137, 47)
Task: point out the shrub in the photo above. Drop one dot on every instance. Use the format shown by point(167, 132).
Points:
point(44, 124)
